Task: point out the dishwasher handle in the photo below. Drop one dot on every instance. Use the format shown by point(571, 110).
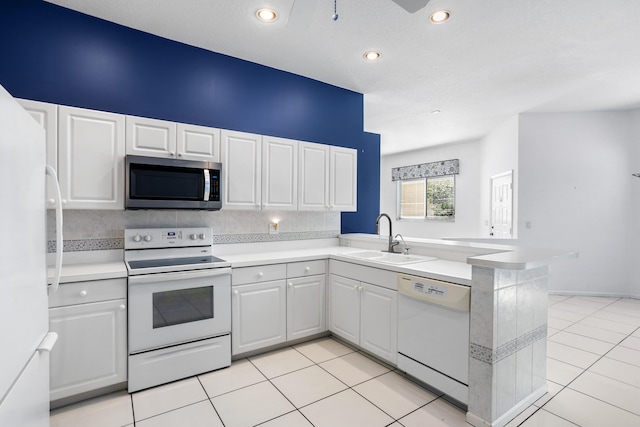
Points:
point(456, 297)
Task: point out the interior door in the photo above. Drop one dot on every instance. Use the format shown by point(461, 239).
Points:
point(502, 205)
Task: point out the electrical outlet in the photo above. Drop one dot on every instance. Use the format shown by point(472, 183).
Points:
point(273, 228)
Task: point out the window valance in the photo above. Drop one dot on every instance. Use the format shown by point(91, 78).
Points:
point(426, 170)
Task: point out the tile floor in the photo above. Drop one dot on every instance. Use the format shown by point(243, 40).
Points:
point(593, 375)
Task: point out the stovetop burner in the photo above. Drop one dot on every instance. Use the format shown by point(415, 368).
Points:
point(168, 262)
point(166, 250)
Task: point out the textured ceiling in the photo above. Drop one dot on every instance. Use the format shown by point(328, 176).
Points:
point(492, 60)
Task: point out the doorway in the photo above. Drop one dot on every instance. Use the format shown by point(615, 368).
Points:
point(502, 206)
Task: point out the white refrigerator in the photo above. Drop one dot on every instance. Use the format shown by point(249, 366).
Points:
point(24, 319)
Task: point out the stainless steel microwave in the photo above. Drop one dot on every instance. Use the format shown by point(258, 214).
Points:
point(157, 183)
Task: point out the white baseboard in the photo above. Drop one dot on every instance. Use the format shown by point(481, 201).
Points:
point(594, 294)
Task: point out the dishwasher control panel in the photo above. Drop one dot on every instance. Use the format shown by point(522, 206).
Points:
point(450, 295)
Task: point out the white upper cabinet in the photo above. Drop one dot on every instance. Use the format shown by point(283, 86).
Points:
point(328, 178)
point(279, 173)
point(241, 170)
point(47, 116)
point(343, 177)
point(151, 137)
point(160, 138)
point(313, 177)
point(91, 151)
point(198, 143)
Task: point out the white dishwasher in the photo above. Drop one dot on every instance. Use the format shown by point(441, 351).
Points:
point(433, 333)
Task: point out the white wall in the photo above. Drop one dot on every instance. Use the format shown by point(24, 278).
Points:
point(577, 193)
point(479, 160)
point(634, 159)
point(572, 183)
point(468, 189)
point(499, 154)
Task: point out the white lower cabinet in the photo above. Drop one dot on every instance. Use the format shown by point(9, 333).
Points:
point(272, 304)
point(91, 321)
point(345, 308)
point(258, 316)
point(365, 314)
point(305, 306)
point(379, 321)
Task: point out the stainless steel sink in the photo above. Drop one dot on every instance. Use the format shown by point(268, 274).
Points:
point(389, 258)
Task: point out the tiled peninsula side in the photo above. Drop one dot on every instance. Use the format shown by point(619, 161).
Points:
point(508, 346)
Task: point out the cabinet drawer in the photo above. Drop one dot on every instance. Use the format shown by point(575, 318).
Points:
point(306, 268)
point(90, 291)
point(376, 276)
point(261, 273)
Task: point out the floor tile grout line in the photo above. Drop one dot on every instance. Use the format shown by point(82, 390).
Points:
point(171, 410)
point(209, 399)
point(133, 410)
point(582, 373)
point(554, 414)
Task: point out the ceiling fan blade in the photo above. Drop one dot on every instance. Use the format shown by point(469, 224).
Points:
point(411, 6)
point(301, 13)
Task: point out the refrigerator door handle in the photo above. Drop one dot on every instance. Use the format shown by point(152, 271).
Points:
point(48, 342)
point(58, 267)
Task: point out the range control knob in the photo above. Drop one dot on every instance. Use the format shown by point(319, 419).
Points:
point(137, 238)
point(203, 236)
point(148, 238)
point(193, 236)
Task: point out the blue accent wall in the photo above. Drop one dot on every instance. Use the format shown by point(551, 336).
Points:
point(52, 54)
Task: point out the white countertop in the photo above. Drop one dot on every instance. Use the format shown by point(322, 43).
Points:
point(451, 271)
point(498, 256)
point(90, 265)
point(90, 271)
point(453, 263)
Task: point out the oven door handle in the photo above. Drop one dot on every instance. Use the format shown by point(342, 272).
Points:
point(178, 275)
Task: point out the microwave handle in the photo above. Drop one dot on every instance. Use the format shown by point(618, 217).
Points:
point(207, 185)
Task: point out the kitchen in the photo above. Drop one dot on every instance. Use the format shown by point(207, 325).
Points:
point(90, 84)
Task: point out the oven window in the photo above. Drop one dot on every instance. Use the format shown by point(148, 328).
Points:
point(182, 306)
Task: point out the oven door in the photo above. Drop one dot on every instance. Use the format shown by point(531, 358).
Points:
point(173, 308)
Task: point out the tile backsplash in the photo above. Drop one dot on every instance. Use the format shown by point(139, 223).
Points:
point(95, 230)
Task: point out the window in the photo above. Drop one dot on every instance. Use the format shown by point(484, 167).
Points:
point(427, 190)
point(427, 198)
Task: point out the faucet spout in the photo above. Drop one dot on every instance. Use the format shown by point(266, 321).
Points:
point(390, 245)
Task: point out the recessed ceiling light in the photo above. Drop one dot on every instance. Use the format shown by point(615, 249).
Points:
point(372, 55)
point(436, 112)
point(267, 15)
point(440, 16)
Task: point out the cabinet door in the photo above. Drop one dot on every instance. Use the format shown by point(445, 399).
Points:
point(91, 158)
point(258, 316)
point(345, 308)
point(313, 176)
point(198, 143)
point(305, 306)
point(379, 321)
point(241, 170)
point(91, 351)
point(151, 137)
point(279, 173)
point(47, 116)
point(343, 187)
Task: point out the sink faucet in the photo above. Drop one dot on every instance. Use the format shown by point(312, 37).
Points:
point(391, 241)
point(405, 249)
